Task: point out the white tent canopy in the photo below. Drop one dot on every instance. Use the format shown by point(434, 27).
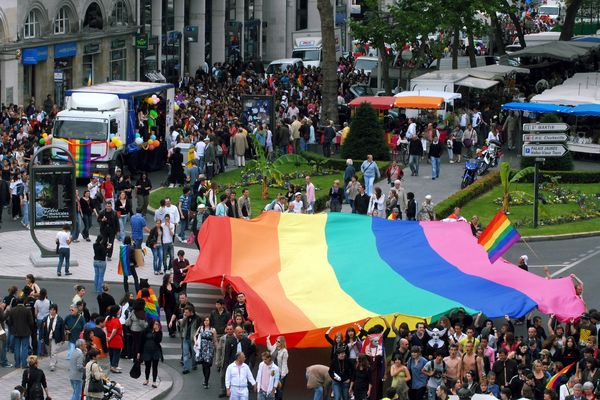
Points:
point(477, 83)
point(447, 96)
point(582, 88)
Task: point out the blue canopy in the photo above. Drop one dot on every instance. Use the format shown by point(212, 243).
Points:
point(586, 110)
point(591, 39)
point(537, 107)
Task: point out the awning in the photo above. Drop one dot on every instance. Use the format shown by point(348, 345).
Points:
point(447, 96)
point(425, 102)
point(377, 102)
point(34, 55)
point(557, 50)
point(537, 107)
point(592, 39)
point(586, 110)
point(477, 83)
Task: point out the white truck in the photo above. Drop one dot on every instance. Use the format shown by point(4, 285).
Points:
point(308, 46)
point(99, 125)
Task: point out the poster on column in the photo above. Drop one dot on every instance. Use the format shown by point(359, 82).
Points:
point(53, 196)
point(258, 109)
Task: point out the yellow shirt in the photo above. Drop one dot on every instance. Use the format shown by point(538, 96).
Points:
point(463, 343)
point(345, 133)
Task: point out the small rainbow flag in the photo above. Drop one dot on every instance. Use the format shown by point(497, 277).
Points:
point(82, 153)
point(151, 307)
point(499, 236)
point(124, 259)
point(98, 176)
point(554, 381)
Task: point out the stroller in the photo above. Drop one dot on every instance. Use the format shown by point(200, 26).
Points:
point(471, 172)
point(113, 390)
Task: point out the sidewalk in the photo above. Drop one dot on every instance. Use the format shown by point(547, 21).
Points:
point(59, 385)
point(18, 245)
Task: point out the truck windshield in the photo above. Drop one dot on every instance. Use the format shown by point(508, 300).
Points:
point(86, 130)
point(307, 55)
point(548, 10)
point(367, 65)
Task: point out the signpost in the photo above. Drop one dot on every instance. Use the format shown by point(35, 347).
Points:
point(543, 145)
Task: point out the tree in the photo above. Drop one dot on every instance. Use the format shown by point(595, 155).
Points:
point(329, 65)
point(569, 25)
point(366, 136)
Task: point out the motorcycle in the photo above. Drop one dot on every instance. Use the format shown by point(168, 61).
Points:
point(470, 174)
point(489, 156)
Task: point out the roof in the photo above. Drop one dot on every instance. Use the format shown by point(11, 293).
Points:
point(477, 83)
point(581, 88)
point(536, 107)
point(123, 87)
point(587, 110)
point(558, 50)
point(286, 61)
point(377, 102)
point(425, 102)
point(448, 96)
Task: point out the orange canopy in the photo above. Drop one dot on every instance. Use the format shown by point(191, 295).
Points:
point(426, 102)
point(377, 102)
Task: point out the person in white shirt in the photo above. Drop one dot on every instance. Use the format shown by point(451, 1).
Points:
point(298, 204)
point(63, 240)
point(173, 212)
point(167, 242)
point(377, 204)
point(412, 129)
point(494, 134)
point(200, 146)
point(237, 378)
point(267, 377)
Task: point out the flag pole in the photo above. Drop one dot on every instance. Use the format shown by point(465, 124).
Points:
point(530, 248)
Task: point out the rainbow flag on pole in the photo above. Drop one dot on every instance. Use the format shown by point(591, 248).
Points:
point(124, 255)
point(499, 236)
point(554, 381)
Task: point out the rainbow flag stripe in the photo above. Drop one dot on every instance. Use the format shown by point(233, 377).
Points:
point(304, 273)
point(499, 236)
point(82, 152)
point(151, 307)
point(554, 381)
point(124, 255)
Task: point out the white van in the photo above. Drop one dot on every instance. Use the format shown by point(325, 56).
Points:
point(366, 64)
point(283, 64)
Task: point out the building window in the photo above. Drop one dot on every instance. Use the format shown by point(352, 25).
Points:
point(31, 28)
point(61, 23)
point(119, 14)
point(93, 17)
point(117, 64)
point(301, 14)
point(88, 70)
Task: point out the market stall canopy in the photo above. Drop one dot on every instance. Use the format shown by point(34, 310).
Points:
point(586, 110)
point(495, 71)
point(591, 38)
point(477, 83)
point(377, 102)
point(581, 88)
point(557, 50)
point(425, 102)
point(299, 273)
point(536, 107)
point(447, 96)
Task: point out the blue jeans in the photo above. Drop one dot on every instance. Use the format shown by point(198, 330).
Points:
point(25, 219)
point(431, 390)
point(340, 390)
point(122, 223)
point(77, 389)
point(435, 167)
point(70, 350)
point(21, 351)
point(200, 164)
point(157, 257)
point(40, 341)
point(318, 393)
point(369, 180)
point(413, 163)
point(3, 347)
point(78, 226)
point(137, 243)
point(351, 202)
point(303, 144)
point(99, 270)
point(183, 224)
point(114, 355)
point(64, 255)
point(168, 251)
point(262, 395)
point(87, 224)
point(189, 358)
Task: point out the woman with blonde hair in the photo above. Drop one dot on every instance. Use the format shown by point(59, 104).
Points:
point(280, 356)
point(34, 380)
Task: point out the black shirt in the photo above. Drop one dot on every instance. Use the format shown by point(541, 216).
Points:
point(361, 203)
point(99, 251)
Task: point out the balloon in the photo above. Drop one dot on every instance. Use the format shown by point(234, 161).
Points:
point(112, 145)
point(153, 137)
point(139, 141)
point(176, 107)
point(44, 135)
point(152, 114)
point(156, 143)
point(156, 100)
point(42, 141)
point(154, 97)
point(151, 147)
point(47, 140)
point(118, 143)
point(114, 139)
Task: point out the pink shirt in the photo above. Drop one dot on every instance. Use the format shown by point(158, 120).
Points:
point(310, 193)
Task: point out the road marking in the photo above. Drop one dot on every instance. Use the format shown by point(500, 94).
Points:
point(575, 263)
point(549, 266)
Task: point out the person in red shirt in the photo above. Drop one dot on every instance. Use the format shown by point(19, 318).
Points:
point(108, 189)
point(114, 329)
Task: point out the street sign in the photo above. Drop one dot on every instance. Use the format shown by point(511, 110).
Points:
point(545, 137)
point(537, 127)
point(544, 150)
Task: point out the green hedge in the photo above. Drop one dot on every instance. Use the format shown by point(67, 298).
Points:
point(567, 176)
point(459, 199)
point(333, 163)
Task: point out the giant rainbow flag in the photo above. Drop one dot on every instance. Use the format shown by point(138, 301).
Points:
point(303, 273)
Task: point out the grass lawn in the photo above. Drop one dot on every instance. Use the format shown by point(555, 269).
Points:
point(232, 177)
point(485, 207)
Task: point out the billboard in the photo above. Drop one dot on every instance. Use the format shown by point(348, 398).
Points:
point(257, 109)
point(53, 196)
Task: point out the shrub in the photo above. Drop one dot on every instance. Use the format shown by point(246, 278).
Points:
point(567, 176)
point(459, 199)
point(366, 136)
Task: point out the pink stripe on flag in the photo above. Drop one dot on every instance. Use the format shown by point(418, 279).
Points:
point(553, 296)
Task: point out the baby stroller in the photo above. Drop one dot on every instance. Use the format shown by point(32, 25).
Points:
point(470, 174)
point(113, 390)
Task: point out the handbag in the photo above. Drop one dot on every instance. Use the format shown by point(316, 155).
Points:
point(136, 370)
point(95, 385)
point(467, 142)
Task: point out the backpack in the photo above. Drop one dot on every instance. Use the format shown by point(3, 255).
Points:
point(433, 366)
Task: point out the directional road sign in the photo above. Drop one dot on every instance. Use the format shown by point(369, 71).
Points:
point(544, 150)
point(545, 137)
point(558, 127)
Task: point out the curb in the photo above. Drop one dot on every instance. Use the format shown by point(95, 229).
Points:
point(564, 236)
point(176, 383)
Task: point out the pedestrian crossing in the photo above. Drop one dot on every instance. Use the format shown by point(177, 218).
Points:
point(203, 297)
